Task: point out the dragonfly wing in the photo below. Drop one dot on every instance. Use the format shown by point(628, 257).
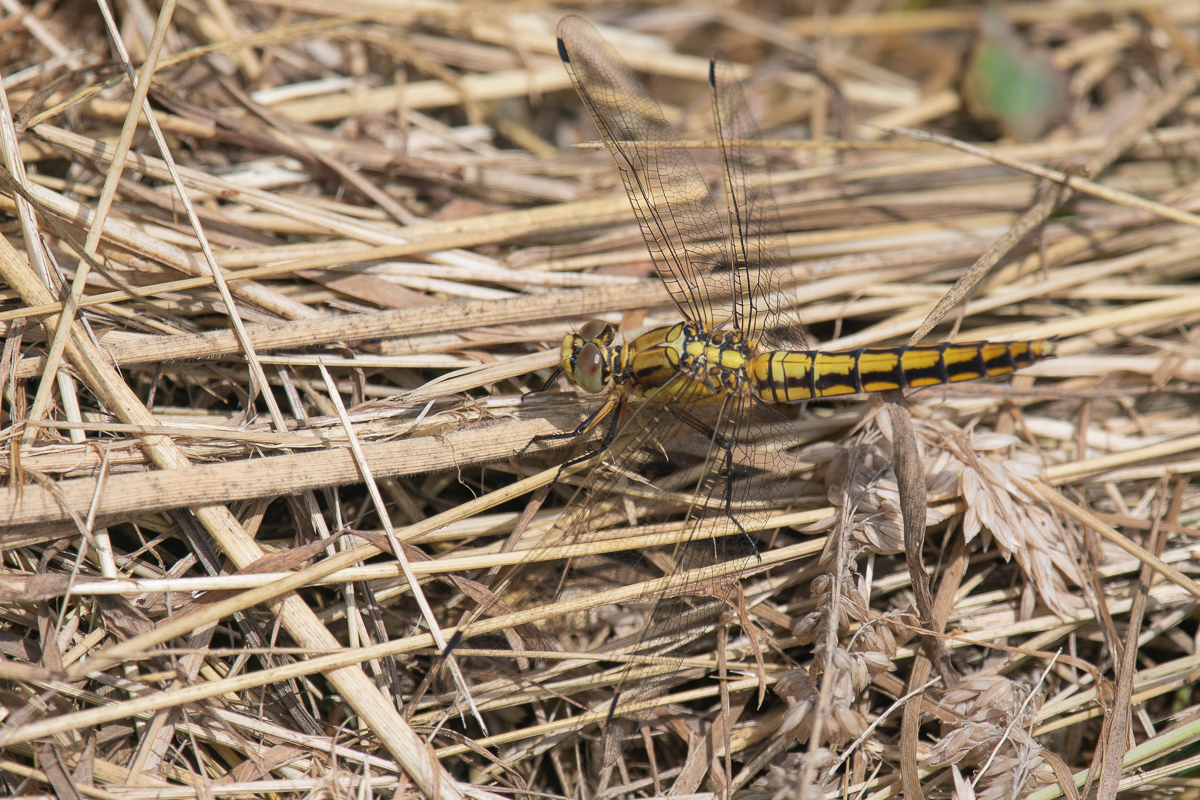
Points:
point(678, 217)
point(728, 482)
point(672, 468)
point(705, 471)
point(758, 241)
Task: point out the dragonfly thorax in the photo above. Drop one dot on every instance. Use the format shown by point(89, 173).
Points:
point(688, 362)
point(717, 359)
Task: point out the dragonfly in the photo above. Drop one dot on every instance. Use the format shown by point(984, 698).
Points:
point(691, 432)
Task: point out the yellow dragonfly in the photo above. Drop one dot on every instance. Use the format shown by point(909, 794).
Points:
point(691, 435)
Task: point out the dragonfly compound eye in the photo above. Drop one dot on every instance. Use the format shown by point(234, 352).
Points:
point(597, 330)
point(589, 368)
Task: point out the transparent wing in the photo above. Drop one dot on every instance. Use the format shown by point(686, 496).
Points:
point(716, 470)
point(757, 240)
point(679, 219)
point(711, 473)
point(703, 472)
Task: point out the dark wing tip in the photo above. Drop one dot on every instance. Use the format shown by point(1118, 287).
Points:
point(562, 51)
point(712, 72)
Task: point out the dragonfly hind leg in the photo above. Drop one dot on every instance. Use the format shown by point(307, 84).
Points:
point(726, 445)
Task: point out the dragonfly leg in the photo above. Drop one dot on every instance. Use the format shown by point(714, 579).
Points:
point(553, 377)
point(611, 408)
point(722, 442)
point(609, 435)
point(728, 448)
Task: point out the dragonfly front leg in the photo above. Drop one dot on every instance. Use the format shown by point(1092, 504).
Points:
point(612, 408)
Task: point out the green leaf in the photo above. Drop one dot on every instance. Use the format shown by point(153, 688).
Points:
point(1011, 83)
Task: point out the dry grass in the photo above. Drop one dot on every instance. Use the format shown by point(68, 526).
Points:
point(201, 597)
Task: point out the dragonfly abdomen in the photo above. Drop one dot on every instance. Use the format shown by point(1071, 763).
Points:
point(790, 376)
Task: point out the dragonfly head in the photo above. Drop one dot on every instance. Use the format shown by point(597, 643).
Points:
point(587, 356)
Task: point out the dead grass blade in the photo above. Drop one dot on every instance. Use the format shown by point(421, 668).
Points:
point(275, 283)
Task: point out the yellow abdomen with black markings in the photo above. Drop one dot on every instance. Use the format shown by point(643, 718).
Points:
point(790, 376)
